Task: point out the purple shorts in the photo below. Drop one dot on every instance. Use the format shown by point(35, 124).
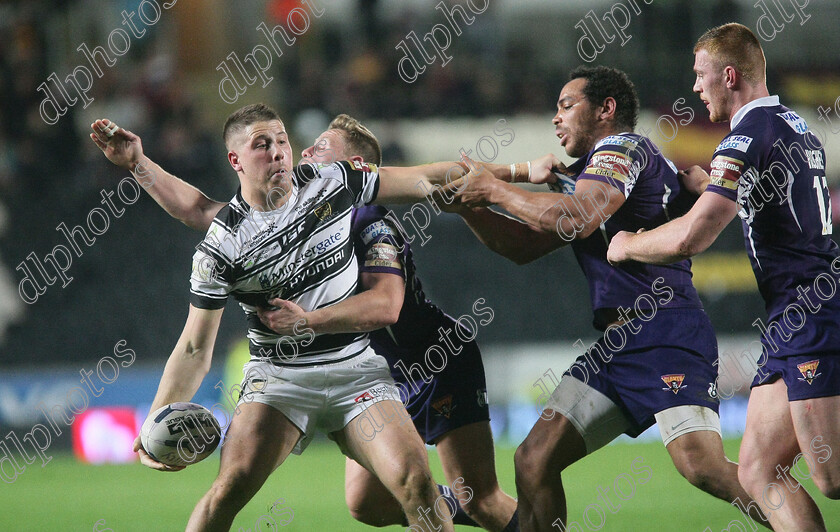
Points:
point(806, 376)
point(667, 362)
point(453, 397)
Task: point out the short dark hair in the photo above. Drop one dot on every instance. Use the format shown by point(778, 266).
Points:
point(245, 116)
point(359, 139)
point(605, 82)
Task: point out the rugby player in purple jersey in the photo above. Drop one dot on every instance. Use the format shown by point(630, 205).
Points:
point(449, 408)
point(770, 170)
point(655, 361)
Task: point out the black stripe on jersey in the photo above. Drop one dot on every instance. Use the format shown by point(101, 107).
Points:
point(247, 251)
point(313, 276)
point(318, 273)
point(276, 362)
point(342, 297)
point(231, 215)
point(304, 173)
point(305, 226)
point(354, 180)
point(321, 344)
point(268, 263)
point(207, 301)
point(222, 269)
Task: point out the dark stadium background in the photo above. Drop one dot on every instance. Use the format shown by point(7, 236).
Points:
point(509, 63)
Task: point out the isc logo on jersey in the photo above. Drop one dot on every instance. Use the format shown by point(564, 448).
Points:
point(735, 142)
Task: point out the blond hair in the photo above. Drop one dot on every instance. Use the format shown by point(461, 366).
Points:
point(735, 45)
point(359, 139)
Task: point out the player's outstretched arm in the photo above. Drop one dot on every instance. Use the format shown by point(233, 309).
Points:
point(376, 307)
point(410, 184)
point(536, 171)
point(180, 199)
point(678, 239)
point(509, 237)
point(186, 368)
point(569, 216)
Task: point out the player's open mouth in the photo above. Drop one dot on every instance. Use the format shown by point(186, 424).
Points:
point(563, 137)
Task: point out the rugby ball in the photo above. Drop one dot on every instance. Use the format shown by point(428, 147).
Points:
point(180, 434)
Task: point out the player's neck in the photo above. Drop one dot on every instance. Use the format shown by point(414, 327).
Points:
point(745, 95)
point(267, 200)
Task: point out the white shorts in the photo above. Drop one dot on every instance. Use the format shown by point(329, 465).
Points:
point(320, 398)
point(599, 420)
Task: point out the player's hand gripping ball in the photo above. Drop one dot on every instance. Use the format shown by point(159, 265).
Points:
point(180, 434)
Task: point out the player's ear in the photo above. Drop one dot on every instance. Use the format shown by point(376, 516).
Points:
point(233, 159)
point(608, 108)
point(731, 77)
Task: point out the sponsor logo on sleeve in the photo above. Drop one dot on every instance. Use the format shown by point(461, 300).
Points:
point(610, 164)
point(382, 254)
point(735, 142)
point(725, 172)
point(376, 230)
point(796, 122)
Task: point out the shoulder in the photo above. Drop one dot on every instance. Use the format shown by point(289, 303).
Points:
point(624, 142)
point(231, 215)
point(369, 214)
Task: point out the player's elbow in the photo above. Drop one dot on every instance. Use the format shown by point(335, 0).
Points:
point(387, 313)
point(197, 355)
point(588, 228)
point(390, 314)
point(688, 246)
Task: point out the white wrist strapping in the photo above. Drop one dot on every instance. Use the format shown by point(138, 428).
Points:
point(513, 172)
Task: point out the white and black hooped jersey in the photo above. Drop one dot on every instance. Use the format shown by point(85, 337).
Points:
point(301, 252)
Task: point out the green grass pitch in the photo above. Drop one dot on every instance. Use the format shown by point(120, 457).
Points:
point(69, 496)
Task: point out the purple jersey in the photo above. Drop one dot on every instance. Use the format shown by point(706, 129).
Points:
point(774, 167)
point(633, 165)
point(380, 248)
point(439, 400)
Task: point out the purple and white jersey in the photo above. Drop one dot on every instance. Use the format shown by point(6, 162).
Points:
point(774, 167)
point(633, 165)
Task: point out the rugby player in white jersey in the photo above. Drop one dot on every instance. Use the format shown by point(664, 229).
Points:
point(253, 251)
point(391, 292)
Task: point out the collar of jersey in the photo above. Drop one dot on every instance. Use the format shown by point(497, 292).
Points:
point(252, 211)
point(767, 101)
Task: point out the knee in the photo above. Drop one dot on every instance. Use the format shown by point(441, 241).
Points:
point(366, 511)
point(530, 462)
point(750, 472)
point(410, 480)
point(699, 474)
